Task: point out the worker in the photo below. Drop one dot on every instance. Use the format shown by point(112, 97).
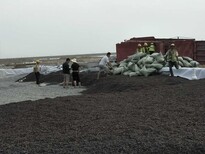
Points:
point(151, 48)
point(66, 73)
point(75, 72)
point(36, 70)
point(145, 48)
point(139, 48)
point(104, 65)
point(171, 57)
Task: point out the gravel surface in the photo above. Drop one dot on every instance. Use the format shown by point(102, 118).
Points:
point(11, 91)
point(117, 114)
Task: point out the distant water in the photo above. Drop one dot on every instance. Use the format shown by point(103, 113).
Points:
point(53, 60)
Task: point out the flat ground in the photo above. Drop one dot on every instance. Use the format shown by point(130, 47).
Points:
point(117, 114)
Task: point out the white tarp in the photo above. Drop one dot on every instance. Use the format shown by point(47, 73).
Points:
point(6, 73)
point(186, 72)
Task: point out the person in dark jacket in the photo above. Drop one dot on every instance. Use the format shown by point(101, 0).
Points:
point(66, 73)
point(75, 73)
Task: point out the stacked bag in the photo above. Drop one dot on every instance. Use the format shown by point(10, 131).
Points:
point(142, 64)
point(187, 62)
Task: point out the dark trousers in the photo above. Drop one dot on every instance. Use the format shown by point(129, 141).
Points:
point(76, 77)
point(37, 74)
point(171, 64)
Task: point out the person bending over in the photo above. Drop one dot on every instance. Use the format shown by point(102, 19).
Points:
point(104, 65)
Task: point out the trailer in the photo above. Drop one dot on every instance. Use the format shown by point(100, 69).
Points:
point(186, 47)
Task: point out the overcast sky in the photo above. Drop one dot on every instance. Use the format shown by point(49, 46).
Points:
point(63, 27)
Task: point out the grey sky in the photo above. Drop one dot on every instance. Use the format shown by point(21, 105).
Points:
point(63, 27)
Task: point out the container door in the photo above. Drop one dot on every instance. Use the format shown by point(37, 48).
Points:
point(200, 52)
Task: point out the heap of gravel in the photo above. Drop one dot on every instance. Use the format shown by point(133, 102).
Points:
point(117, 114)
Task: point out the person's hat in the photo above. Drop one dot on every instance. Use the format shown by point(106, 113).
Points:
point(152, 43)
point(172, 45)
point(37, 61)
point(74, 60)
point(139, 45)
point(145, 44)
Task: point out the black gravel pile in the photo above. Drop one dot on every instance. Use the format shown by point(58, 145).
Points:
point(117, 114)
point(87, 78)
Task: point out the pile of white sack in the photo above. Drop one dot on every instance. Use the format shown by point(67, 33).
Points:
point(142, 64)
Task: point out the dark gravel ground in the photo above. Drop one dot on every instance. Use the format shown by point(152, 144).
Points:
point(117, 114)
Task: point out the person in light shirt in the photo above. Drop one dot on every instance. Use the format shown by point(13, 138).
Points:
point(36, 70)
point(104, 64)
